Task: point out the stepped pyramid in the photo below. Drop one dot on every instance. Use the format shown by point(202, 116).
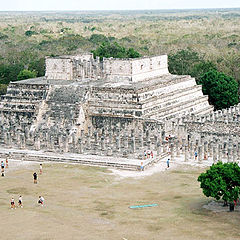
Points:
point(136, 88)
point(82, 95)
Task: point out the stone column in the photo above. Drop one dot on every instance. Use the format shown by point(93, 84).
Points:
point(22, 141)
point(148, 141)
point(37, 143)
point(186, 155)
point(66, 149)
point(205, 147)
point(183, 145)
point(238, 152)
point(102, 144)
point(229, 154)
point(80, 150)
point(210, 149)
point(214, 147)
point(172, 151)
point(159, 148)
point(224, 150)
point(200, 153)
point(234, 153)
point(51, 143)
point(60, 144)
point(191, 152)
point(177, 148)
point(133, 144)
point(165, 144)
point(219, 152)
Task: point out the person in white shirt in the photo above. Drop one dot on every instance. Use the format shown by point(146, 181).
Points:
point(40, 170)
point(41, 200)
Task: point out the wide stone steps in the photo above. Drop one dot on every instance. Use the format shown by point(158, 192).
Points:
point(167, 100)
point(172, 104)
point(91, 160)
point(181, 108)
point(205, 110)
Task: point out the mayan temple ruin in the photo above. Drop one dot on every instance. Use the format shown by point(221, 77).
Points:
point(116, 108)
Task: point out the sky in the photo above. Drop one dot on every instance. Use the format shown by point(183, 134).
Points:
point(63, 5)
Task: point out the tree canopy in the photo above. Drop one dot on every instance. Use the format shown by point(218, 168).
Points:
point(221, 181)
point(221, 89)
point(108, 49)
point(25, 74)
point(189, 62)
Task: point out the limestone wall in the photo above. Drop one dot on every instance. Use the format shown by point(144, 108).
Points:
point(147, 68)
point(59, 68)
point(135, 70)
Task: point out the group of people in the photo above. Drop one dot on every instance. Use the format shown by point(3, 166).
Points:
point(20, 199)
point(35, 176)
point(20, 202)
point(148, 154)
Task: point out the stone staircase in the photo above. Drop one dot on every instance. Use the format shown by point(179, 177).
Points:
point(172, 96)
point(23, 97)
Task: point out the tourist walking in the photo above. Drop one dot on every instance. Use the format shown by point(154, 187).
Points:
point(2, 169)
point(20, 202)
point(195, 154)
point(40, 170)
point(145, 154)
point(35, 178)
point(142, 167)
point(2, 166)
point(12, 203)
point(41, 200)
point(168, 163)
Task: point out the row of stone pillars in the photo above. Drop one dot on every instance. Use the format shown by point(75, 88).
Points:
point(203, 150)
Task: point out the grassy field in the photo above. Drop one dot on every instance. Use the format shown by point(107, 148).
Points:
point(91, 203)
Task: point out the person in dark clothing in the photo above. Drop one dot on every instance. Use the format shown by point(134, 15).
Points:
point(35, 178)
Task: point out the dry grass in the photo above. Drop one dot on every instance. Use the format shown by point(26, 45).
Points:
point(89, 203)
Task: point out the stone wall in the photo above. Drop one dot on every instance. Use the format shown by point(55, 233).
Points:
point(59, 68)
point(135, 70)
point(84, 66)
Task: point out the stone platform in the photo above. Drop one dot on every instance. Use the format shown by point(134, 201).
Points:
point(91, 160)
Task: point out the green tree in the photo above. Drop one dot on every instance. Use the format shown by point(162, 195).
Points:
point(221, 181)
point(98, 38)
point(189, 62)
point(107, 50)
point(9, 72)
point(29, 33)
point(221, 89)
point(38, 66)
point(201, 68)
point(25, 74)
point(3, 89)
point(183, 61)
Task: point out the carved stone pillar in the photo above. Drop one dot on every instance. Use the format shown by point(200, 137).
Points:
point(229, 154)
point(66, 149)
point(205, 149)
point(214, 147)
point(186, 155)
point(219, 152)
point(200, 153)
point(234, 153)
point(172, 151)
point(80, 150)
point(177, 148)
